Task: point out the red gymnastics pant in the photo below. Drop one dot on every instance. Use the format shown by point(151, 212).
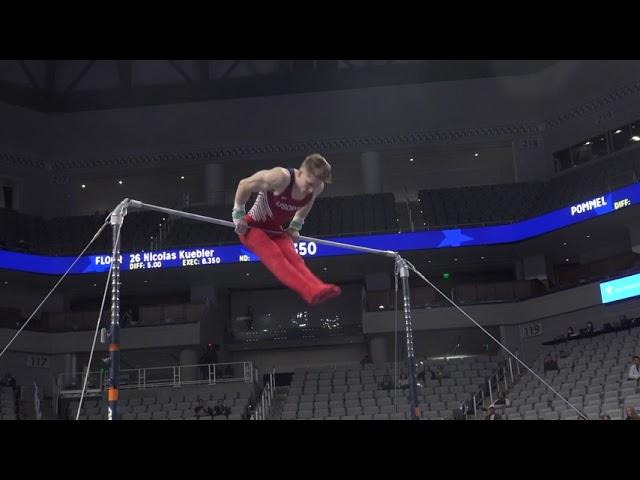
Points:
point(277, 253)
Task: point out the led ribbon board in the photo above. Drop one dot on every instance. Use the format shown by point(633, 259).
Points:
point(208, 256)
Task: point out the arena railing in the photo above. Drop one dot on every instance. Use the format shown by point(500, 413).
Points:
point(70, 384)
point(503, 374)
point(266, 398)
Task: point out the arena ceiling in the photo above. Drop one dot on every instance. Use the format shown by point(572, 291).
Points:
point(58, 86)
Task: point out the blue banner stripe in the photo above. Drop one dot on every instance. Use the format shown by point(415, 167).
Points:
point(450, 238)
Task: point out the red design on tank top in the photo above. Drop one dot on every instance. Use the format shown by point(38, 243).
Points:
point(274, 210)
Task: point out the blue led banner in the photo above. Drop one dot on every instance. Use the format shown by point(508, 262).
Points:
point(465, 237)
point(620, 289)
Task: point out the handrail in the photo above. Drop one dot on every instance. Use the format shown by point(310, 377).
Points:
point(170, 375)
point(493, 383)
point(511, 370)
point(266, 398)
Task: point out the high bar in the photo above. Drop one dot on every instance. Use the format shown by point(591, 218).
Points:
point(226, 223)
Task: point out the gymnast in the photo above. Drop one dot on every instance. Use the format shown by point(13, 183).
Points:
point(284, 195)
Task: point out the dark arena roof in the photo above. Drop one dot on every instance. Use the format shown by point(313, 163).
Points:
point(73, 85)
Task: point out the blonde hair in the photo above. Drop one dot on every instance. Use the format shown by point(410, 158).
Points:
point(318, 166)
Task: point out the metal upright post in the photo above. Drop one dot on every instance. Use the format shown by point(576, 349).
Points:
point(411, 360)
point(117, 217)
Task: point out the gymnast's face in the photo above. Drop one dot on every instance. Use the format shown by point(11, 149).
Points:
point(307, 182)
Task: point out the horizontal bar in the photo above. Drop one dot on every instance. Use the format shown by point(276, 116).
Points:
point(225, 223)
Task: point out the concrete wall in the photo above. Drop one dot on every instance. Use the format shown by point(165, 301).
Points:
point(286, 359)
point(555, 312)
point(573, 85)
point(132, 338)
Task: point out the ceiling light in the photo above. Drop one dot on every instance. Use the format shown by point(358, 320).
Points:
point(380, 307)
point(325, 269)
point(120, 182)
point(588, 236)
point(586, 144)
point(84, 186)
point(564, 244)
point(247, 274)
point(181, 177)
point(566, 259)
point(618, 131)
point(411, 159)
point(95, 284)
point(481, 258)
point(475, 154)
point(635, 138)
point(455, 259)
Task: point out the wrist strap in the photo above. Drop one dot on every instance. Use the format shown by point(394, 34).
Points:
point(295, 225)
point(238, 214)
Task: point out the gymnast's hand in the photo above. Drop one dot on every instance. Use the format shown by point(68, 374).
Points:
point(293, 233)
point(293, 230)
point(239, 221)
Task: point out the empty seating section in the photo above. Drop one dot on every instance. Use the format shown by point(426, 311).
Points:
point(68, 235)
point(7, 404)
point(353, 392)
point(354, 214)
point(481, 204)
point(21, 232)
point(593, 377)
point(329, 216)
point(168, 403)
point(184, 232)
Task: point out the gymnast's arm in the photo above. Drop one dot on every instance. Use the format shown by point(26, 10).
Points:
point(298, 220)
point(261, 181)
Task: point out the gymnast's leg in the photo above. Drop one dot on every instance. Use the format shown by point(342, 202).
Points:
point(274, 259)
point(323, 291)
